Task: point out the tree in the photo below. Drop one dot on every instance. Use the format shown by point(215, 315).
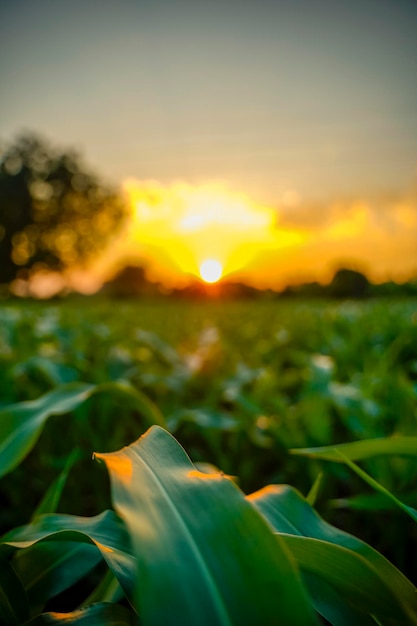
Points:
point(131, 281)
point(53, 213)
point(348, 283)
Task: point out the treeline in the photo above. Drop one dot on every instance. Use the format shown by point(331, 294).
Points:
point(132, 281)
point(349, 283)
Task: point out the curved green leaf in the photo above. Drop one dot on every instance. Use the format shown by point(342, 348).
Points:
point(356, 580)
point(107, 590)
point(21, 424)
point(205, 555)
point(289, 513)
point(47, 568)
point(372, 501)
point(364, 449)
point(134, 399)
point(378, 487)
point(314, 491)
point(50, 500)
point(106, 531)
point(330, 603)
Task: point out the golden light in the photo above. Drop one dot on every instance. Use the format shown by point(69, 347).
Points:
point(175, 229)
point(211, 271)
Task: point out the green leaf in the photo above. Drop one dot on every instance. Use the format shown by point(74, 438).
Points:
point(290, 514)
point(106, 531)
point(372, 501)
point(357, 581)
point(378, 487)
point(345, 453)
point(50, 501)
point(100, 614)
point(199, 543)
point(21, 424)
point(314, 491)
point(14, 605)
point(107, 590)
point(134, 399)
point(48, 568)
point(364, 449)
point(332, 604)
point(50, 373)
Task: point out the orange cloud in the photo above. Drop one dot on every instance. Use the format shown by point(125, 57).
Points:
point(174, 228)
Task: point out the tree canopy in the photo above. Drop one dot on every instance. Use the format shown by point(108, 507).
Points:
point(349, 283)
point(54, 214)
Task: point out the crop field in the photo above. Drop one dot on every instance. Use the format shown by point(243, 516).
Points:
point(276, 482)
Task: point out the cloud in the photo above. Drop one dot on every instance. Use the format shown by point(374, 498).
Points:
point(379, 235)
point(175, 227)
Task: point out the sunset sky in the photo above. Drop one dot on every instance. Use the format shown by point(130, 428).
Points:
point(276, 137)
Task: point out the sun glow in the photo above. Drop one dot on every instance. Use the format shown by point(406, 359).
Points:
point(174, 228)
point(177, 228)
point(211, 271)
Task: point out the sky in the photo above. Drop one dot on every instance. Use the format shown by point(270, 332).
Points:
point(303, 113)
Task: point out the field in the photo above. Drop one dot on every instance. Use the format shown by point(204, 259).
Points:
point(257, 393)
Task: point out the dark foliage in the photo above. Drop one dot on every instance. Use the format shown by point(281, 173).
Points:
point(349, 283)
point(53, 214)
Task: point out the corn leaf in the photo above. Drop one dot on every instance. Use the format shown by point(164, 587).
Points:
point(21, 424)
point(48, 568)
point(372, 501)
point(107, 590)
point(364, 449)
point(357, 581)
point(314, 491)
point(205, 555)
point(106, 531)
point(379, 488)
point(343, 564)
point(50, 500)
point(332, 604)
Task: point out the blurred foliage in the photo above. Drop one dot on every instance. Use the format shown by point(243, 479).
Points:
point(238, 383)
point(54, 214)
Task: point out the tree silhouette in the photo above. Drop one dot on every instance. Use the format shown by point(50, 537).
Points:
point(53, 213)
point(130, 281)
point(349, 283)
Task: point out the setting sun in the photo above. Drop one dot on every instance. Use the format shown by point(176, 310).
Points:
point(173, 229)
point(206, 231)
point(211, 271)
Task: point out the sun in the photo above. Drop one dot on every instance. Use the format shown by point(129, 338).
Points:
point(207, 231)
point(211, 270)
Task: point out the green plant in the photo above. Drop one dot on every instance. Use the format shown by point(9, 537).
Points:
point(188, 547)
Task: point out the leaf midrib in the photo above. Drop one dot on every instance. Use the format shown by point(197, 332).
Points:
point(219, 601)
